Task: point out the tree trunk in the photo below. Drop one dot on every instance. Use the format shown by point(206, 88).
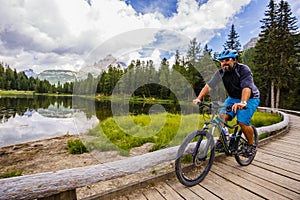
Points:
point(272, 93)
point(277, 97)
point(267, 99)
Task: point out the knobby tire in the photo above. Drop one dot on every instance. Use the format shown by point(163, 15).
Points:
point(191, 171)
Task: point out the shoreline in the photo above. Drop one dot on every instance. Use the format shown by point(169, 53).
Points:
point(41, 140)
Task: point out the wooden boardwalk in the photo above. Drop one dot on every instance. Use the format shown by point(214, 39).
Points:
point(274, 174)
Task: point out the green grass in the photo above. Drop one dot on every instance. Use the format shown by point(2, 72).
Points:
point(164, 130)
point(76, 147)
point(15, 92)
point(11, 173)
point(265, 119)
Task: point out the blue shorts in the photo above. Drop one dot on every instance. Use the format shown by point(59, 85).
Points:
point(244, 116)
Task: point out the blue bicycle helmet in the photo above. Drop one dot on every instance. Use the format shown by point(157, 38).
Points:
point(228, 53)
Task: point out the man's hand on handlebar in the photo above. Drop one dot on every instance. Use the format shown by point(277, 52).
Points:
point(196, 101)
point(238, 106)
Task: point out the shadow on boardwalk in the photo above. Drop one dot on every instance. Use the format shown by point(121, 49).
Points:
point(274, 174)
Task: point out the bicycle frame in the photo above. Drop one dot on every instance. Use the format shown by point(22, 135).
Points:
point(216, 121)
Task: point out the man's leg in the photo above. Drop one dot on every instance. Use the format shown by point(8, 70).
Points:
point(244, 118)
point(248, 131)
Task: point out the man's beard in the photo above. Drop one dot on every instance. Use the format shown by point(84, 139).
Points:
point(228, 67)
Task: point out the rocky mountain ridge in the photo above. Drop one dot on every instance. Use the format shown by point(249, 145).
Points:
point(62, 76)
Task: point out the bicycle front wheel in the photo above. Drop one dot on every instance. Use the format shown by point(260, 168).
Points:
point(243, 157)
point(194, 158)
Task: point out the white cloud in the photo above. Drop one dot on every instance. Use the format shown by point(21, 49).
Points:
point(204, 21)
point(295, 5)
point(62, 33)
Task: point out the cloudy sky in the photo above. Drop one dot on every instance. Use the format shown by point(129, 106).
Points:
point(70, 34)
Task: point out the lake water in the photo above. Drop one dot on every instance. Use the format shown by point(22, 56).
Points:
point(28, 119)
point(40, 117)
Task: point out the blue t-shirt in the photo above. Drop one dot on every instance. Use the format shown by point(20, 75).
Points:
point(234, 81)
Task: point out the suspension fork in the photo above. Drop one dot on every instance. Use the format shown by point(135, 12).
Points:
point(209, 142)
point(198, 143)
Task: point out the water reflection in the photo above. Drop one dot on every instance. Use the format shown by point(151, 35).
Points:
point(40, 117)
point(29, 119)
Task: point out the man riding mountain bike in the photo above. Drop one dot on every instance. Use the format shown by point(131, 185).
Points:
point(238, 81)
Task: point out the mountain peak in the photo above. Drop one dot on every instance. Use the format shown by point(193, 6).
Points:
point(30, 73)
point(98, 67)
point(251, 43)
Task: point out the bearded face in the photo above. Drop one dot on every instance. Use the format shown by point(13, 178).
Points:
point(228, 64)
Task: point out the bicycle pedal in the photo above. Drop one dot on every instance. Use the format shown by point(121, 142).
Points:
point(220, 150)
point(201, 159)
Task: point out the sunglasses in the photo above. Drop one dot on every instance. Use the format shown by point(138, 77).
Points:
point(226, 60)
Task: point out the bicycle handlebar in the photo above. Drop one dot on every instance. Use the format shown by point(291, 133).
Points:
point(215, 105)
point(212, 105)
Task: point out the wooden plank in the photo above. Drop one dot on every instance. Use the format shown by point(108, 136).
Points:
point(167, 192)
point(294, 137)
point(293, 133)
point(279, 146)
point(277, 161)
point(153, 194)
point(280, 150)
point(283, 151)
point(203, 193)
point(280, 154)
point(274, 178)
point(248, 184)
point(286, 142)
point(225, 189)
point(183, 190)
point(278, 170)
point(291, 141)
point(243, 172)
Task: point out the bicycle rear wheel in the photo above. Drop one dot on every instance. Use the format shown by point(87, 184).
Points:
point(191, 169)
point(242, 157)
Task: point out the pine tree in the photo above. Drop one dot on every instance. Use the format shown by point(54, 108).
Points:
point(275, 50)
point(265, 54)
point(207, 51)
point(287, 29)
point(164, 73)
point(193, 57)
point(233, 41)
point(2, 77)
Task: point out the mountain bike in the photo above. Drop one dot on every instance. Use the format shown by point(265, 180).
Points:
point(196, 153)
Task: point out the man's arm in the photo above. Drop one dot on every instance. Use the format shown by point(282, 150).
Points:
point(246, 93)
point(205, 90)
